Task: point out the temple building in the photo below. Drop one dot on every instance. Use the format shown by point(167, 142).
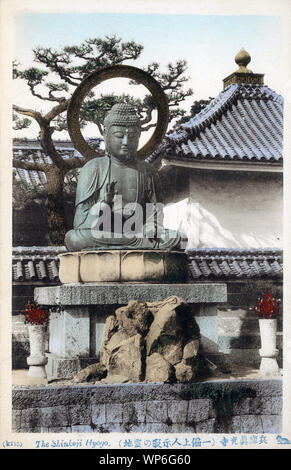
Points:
point(230, 160)
point(222, 174)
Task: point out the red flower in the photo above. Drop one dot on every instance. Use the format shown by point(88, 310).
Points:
point(267, 306)
point(36, 314)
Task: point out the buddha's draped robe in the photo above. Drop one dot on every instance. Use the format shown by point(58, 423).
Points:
point(135, 183)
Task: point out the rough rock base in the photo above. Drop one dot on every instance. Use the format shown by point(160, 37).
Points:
point(151, 342)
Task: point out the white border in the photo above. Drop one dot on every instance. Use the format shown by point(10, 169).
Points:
point(8, 8)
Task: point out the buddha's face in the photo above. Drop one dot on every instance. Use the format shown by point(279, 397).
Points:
point(122, 141)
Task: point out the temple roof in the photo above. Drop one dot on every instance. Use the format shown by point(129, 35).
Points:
point(38, 265)
point(243, 123)
point(31, 151)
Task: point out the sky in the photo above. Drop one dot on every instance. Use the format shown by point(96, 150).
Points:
point(208, 43)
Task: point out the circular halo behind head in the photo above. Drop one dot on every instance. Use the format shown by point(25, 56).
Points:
point(106, 73)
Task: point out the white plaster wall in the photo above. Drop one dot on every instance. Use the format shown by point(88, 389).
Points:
point(229, 209)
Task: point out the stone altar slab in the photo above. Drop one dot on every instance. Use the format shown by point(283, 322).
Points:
point(78, 294)
point(76, 331)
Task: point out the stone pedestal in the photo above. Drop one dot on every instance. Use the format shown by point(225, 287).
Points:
point(37, 359)
point(76, 332)
point(268, 351)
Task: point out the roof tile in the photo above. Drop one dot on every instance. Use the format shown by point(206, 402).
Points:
point(238, 263)
point(41, 264)
point(244, 122)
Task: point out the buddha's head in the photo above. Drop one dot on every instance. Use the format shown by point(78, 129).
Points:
point(122, 131)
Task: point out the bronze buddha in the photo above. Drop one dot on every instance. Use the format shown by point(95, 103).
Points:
point(116, 205)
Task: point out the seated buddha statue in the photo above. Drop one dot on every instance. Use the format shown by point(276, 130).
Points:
point(116, 205)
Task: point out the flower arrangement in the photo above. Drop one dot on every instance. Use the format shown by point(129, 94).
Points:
point(36, 314)
point(267, 306)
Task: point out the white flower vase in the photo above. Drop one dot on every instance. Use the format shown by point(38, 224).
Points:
point(37, 359)
point(268, 351)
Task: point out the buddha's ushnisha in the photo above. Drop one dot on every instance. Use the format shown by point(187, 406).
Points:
point(116, 205)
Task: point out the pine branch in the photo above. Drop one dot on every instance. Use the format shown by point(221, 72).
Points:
point(49, 147)
point(148, 117)
point(56, 110)
point(29, 112)
point(100, 127)
point(41, 97)
point(75, 162)
point(146, 128)
point(31, 166)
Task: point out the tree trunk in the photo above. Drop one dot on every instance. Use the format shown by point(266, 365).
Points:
point(55, 205)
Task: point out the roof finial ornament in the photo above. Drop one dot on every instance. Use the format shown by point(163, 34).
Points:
point(243, 75)
point(242, 59)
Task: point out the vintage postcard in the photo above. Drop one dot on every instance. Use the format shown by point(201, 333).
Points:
point(145, 219)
